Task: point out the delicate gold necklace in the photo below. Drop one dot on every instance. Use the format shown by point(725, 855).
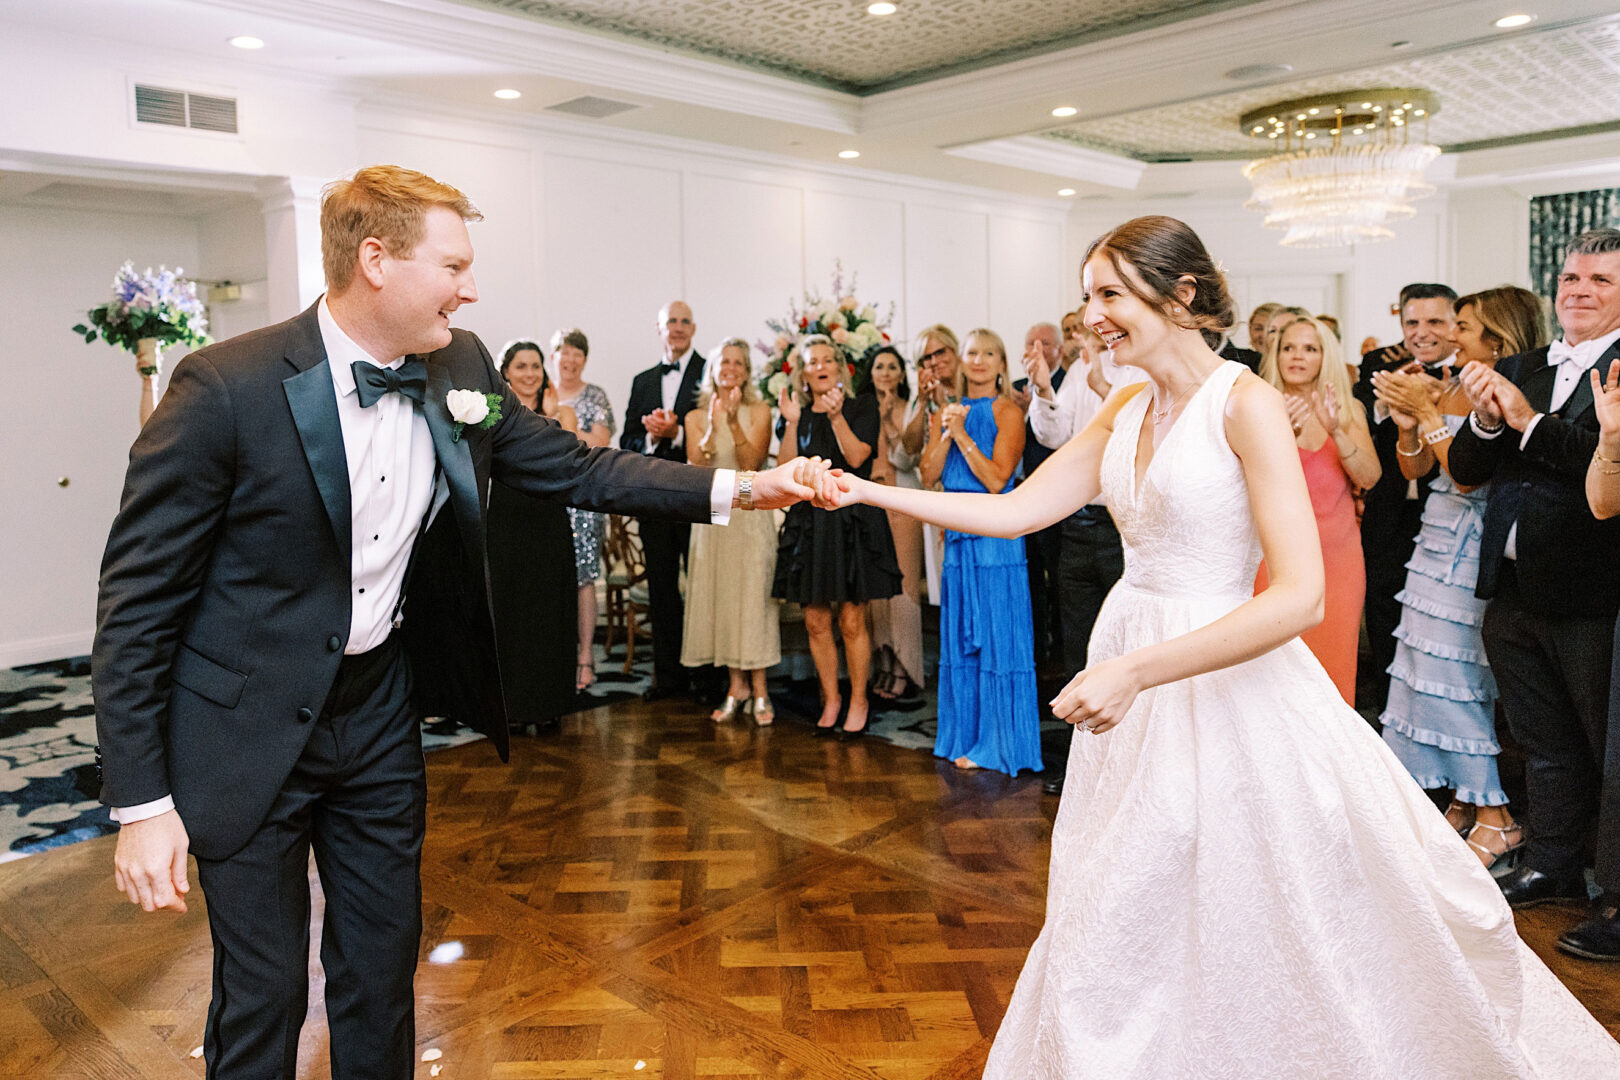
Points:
point(1159, 414)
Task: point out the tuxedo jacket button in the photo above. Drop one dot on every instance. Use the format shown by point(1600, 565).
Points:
point(334, 643)
point(305, 716)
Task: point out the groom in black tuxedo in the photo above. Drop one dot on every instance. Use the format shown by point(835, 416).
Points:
point(1548, 566)
point(655, 425)
point(256, 658)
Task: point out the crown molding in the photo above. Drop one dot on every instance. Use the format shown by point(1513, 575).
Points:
point(527, 45)
point(402, 112)
point(1056, 159)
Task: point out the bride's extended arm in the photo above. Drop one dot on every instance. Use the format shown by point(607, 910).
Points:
point(1258, 430)
point(1065, 482)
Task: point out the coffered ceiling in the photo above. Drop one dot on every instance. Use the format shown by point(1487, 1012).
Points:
point(836, 43)
point(1560, 81)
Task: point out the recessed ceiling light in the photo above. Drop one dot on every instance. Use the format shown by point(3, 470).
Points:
point(508, 95)
point(246, 42)
point(1065, 192)
point(881, 8)
point(1065, 110)
point(849, 155)
point(1509, 22)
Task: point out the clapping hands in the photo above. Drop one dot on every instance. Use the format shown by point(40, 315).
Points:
point(1494, 399)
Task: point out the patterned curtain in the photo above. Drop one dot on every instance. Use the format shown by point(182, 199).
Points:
point(1555, 220)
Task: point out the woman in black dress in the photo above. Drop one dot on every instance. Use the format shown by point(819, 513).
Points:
point(531, 569)
point(840, 558)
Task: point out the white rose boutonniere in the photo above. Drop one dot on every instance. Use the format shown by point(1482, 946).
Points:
point(473, 407)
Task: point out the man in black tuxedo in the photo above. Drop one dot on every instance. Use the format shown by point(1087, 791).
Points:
point(255, 656)
point(655, 425)
point(1393, 506)
point(1548, 566)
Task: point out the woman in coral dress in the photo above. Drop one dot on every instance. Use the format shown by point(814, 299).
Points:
point(1337, 452)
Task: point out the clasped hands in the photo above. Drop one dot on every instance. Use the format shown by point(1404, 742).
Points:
point(1494, 398)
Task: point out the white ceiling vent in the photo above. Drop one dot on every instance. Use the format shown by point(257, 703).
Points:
point(597, 108)
point(177, 108)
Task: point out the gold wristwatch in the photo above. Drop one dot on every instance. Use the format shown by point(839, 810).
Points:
point(745, 490)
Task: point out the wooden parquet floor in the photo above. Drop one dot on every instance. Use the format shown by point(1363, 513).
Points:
point(640, 895)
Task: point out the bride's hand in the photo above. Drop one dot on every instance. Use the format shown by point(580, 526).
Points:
point(1098, 697)
point(840, 489)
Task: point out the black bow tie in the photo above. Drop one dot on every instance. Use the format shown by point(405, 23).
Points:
point(372, 382)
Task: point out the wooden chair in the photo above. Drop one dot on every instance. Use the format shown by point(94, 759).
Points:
point(626, 585)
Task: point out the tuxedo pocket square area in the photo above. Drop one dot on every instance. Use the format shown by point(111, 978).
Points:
point(207, 679)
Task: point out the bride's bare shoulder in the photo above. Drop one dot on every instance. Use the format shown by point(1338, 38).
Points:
point(1116, 401)
point(1255, 414)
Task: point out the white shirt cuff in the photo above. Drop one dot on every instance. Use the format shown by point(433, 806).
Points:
point(1528, 428)
point(725, 485)
point(128, 815)
point(1473, 422)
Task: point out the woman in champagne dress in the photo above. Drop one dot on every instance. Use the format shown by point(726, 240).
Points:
point(1245, 882)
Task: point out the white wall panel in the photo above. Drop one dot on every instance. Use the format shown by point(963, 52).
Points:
point(947, 268)
point(868, 236)
point(744, 245)
point(611, 256)
point(53, 536)
point(1026, 283)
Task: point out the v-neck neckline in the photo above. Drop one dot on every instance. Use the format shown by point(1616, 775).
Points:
point(1139, 472)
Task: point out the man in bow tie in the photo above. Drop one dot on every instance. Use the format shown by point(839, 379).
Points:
point(655, 424)
point(260, 634)
point(1548, 566)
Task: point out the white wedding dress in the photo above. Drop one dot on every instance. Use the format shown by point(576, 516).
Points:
point(1245, 882)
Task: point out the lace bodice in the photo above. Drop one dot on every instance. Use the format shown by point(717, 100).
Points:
point(1188, 531)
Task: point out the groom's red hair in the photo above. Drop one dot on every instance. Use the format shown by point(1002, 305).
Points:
point(385, 202)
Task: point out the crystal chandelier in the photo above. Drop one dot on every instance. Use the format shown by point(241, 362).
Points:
point(1343, 165)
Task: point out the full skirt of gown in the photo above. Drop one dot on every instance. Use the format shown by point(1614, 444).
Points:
point(1245, 882)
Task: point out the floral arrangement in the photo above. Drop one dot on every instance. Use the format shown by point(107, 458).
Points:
point(854, 327)
point(162, 306)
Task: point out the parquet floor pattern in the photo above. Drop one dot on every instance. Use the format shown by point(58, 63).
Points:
point(643, 894)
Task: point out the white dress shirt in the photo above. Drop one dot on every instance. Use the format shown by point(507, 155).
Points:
point(1580, 359)
point(1060, 418)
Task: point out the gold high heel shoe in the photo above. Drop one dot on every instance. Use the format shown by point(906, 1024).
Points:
point(730, 710)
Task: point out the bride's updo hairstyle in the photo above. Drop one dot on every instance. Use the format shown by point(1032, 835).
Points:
point(1157, 252)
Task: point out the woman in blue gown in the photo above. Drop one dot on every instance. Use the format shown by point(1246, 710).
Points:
point(988, 717)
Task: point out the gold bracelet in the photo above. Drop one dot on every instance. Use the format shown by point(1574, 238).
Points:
point(1597, 454)
point(1598, 460)
point(1410, 453)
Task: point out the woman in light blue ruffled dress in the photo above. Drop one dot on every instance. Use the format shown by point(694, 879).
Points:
point(1441, 716)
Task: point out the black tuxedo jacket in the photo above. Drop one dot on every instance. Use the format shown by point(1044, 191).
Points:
point(1383, 520)
point(224, 600)
point(1566, 556)
point(647, 394)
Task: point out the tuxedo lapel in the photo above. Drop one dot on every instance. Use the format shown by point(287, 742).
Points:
point(1537, 383)
point(691, 379)
point(1581, 399)
point(455, 458)
point(313, 402)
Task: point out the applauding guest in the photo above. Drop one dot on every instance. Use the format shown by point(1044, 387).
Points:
point(594, 426)
point(1336, 449)
point(531, 556)
point(1441, 716)
point(731, 620)
point(654, 424)
point(897, 622)
point(988, 717)
point(937, 360)
point(1547, 567)
point(840, 559)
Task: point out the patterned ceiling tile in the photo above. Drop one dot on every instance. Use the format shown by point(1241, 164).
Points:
point(835, 42)
point(1522, 86)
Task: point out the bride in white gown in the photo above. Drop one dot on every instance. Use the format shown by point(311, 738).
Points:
point(1245, 882)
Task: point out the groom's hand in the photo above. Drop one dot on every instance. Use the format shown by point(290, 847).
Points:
point(799, 480)
point(149, 864)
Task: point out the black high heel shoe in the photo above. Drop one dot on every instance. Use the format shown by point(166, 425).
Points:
point(821, 731)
